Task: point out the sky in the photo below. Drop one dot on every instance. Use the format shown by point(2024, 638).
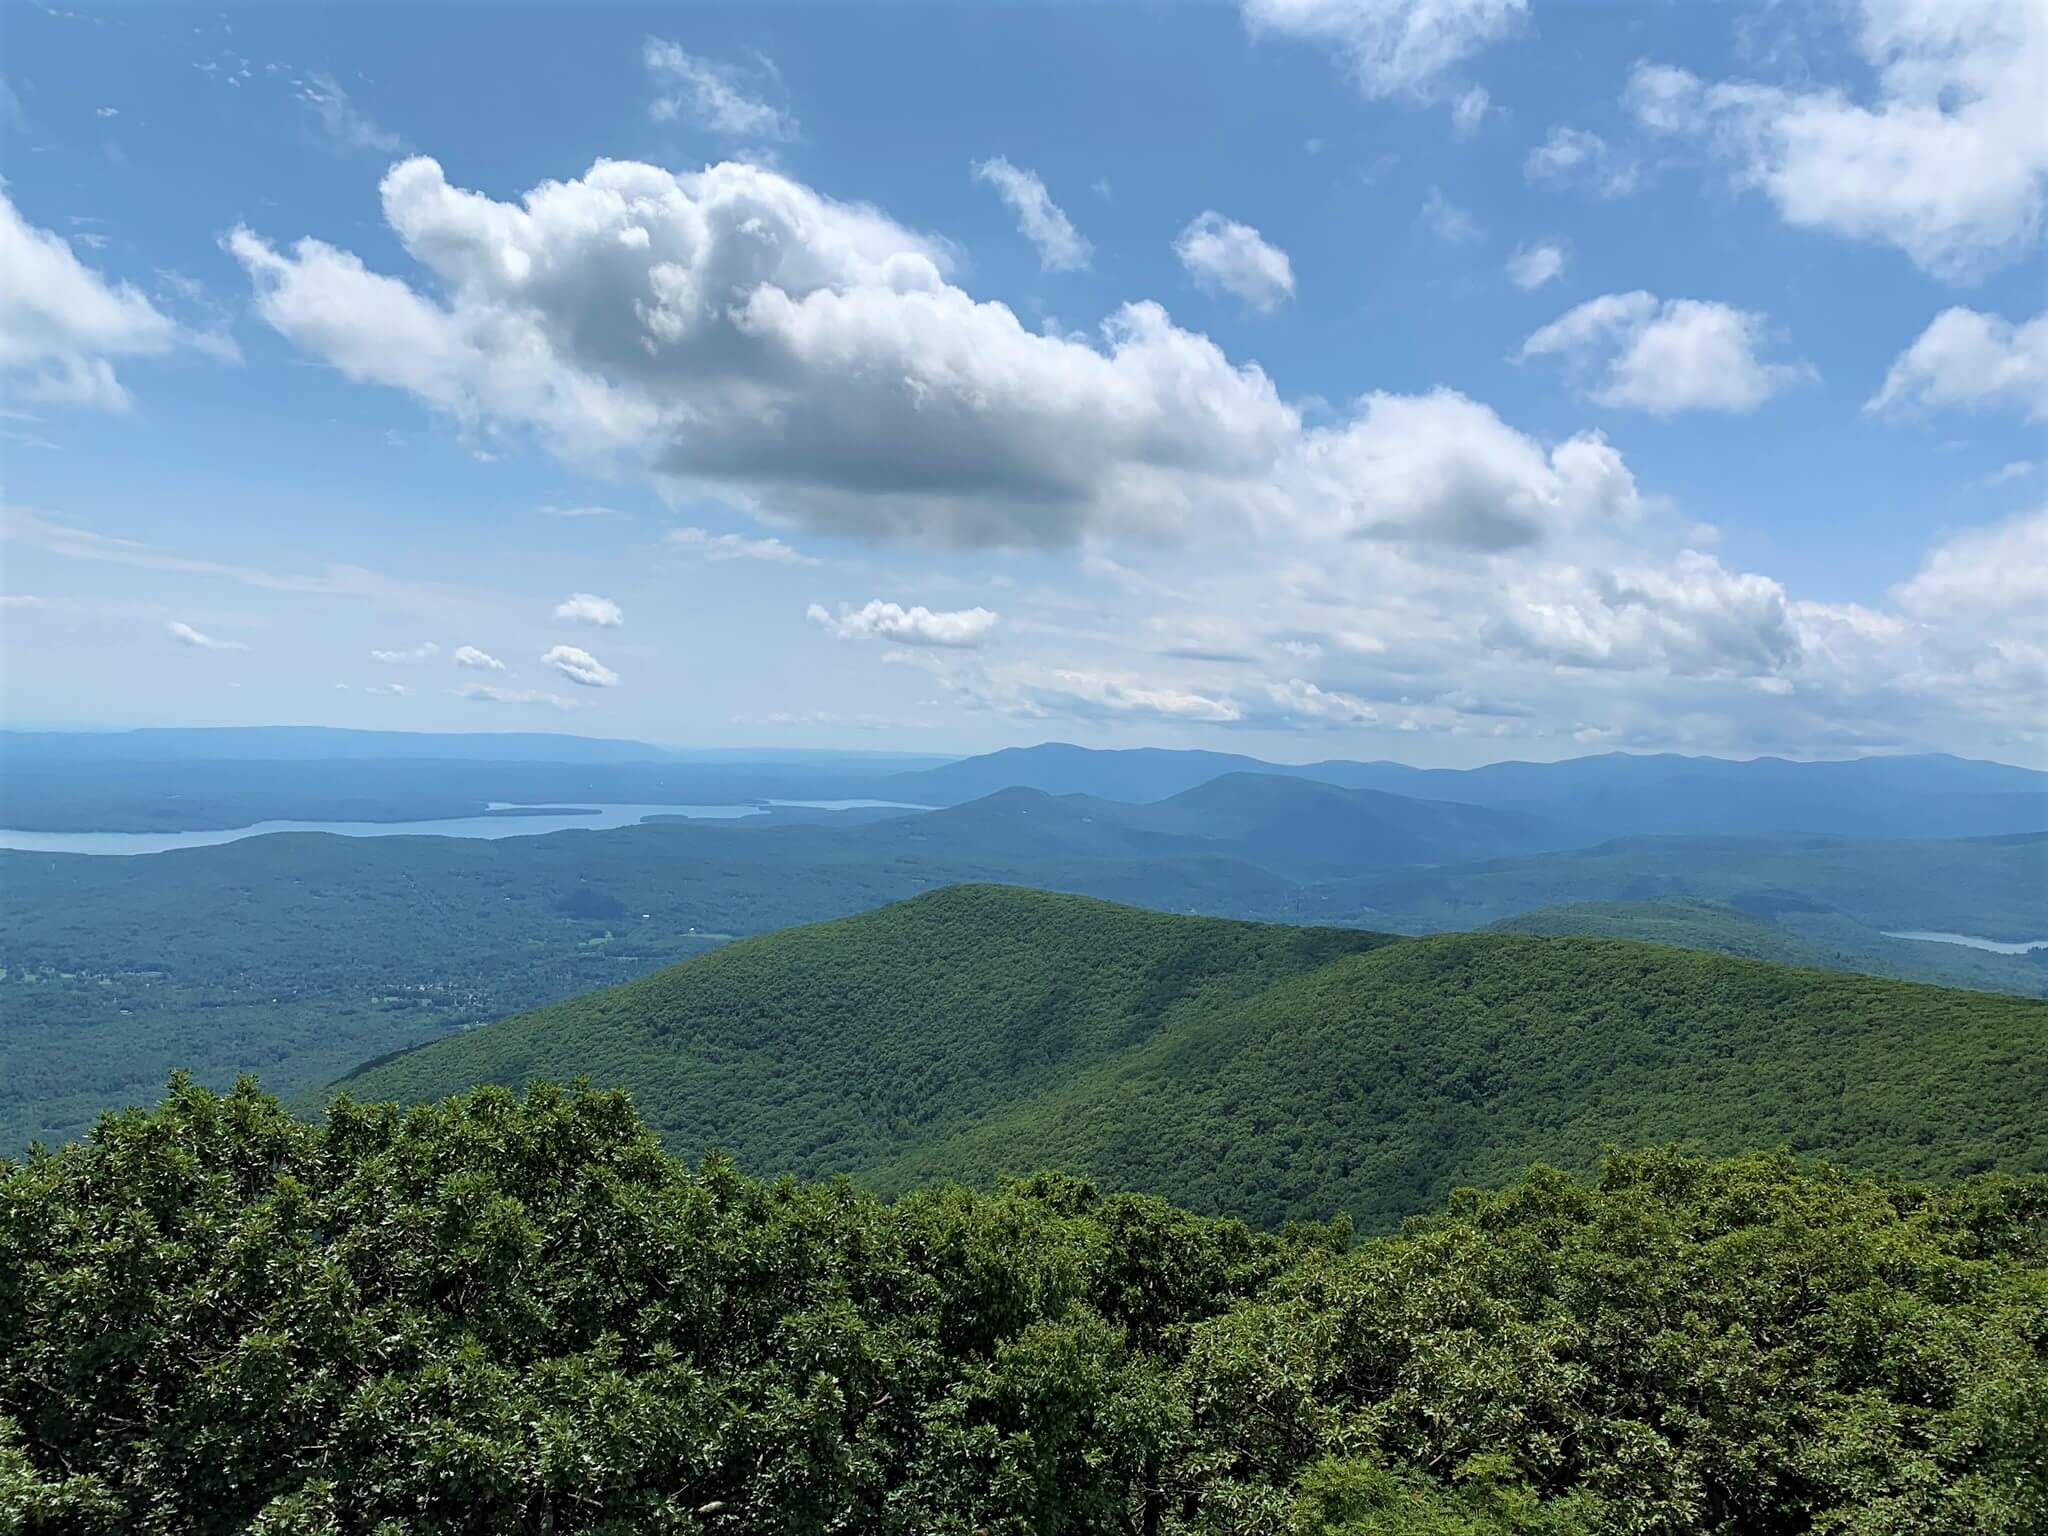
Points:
point(1437, 380)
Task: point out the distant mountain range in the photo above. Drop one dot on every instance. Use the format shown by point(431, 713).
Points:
point(1580, 800)
point(155, 780)
point(1256, 1070)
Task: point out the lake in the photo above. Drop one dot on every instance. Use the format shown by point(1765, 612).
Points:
point(1996, 946)
point(594, 817)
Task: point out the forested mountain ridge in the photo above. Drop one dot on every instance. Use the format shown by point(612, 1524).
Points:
point(503, 1315)
point(1262, 1071)
point(299, 955)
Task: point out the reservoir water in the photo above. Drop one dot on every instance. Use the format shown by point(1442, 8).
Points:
point(591, 817)
point(1996, 946)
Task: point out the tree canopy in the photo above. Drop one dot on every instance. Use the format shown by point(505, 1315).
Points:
point(505, 1314)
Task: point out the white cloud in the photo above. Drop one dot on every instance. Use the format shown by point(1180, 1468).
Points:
point(489, 694)
point(1224, 255)
point(20, 525)
point(341, 120)
point(1997, 571)
point(2018, 469)
point(1447, 221)
point(581, 512)
point(1578, 155)
point(1304, 700)
point(1393, 47)
point(1670, 355)
point(1693, 617)
point(579, 666)
point(809, 362)
point(964, 628)
point(589, 608)
point(733, 546)
point(1948, 160)
point(1443, 469)
point(1100, 693)
point(470, 656)
point(402, 690)
point(1969, 359)
point(185, 634)
point(714, 96)
point(1039, 219)
point(62, 323)
point(418, 653)
point(1534, 265)
point(1469, 111)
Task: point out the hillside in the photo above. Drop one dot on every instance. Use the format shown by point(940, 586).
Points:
point(827, 1049)
point(1789, 932)
point(1994, 886)
point(1684, 921)
point(300, 955)
point(1261, 1071)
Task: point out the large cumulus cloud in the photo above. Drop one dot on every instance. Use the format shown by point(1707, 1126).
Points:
point(740, 334)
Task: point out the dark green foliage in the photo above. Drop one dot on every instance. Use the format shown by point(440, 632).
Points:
point(1262, 1071)
point(298, 955)
point(506, 1316)
point(836, 1048)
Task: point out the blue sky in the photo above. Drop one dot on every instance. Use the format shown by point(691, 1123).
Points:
point(1318, 377)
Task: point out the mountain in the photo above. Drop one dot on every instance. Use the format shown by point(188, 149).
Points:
point(299, 955)
point(1263, 1071)
point(1057, 768)
point(1589, 798)
point(1996, 887)
point(1301, 824)
point(1679, 920)
point(1296, 827)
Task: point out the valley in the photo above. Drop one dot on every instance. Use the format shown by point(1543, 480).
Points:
point(300, 955)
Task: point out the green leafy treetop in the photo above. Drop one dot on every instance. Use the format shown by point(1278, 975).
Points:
point(510, 1315)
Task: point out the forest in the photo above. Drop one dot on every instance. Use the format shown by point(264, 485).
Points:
point(1263, 1071)
point(299, 955)
point(518, 1314)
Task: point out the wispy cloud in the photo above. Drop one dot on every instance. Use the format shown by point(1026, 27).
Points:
point(580, 667)
point(714, 95)
point(488, 694)
point(1039, 219)
point(1448, 222)
point(20, 525)
point(1534, 265)
point(589, 608)
point(185, 634)
point(733, 546)
point(425, 651)
point(1225, 256)
point(341, 121)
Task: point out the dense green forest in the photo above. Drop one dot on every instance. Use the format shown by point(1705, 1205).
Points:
point(1823, 939)
point(1262, 1071)
point(496, 1316)
point(299, 955)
